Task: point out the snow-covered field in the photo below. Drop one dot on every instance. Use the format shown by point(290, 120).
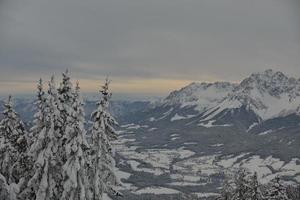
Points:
point(156, 190)
point(187, 168)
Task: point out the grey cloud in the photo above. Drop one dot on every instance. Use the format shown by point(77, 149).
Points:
point(189, 39)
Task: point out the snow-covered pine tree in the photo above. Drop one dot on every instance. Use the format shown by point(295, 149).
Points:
point(277, 191)
point(76, 152)
point(47, 177)
point(65, 106)
point(254, 192)
point(293, 192)
point(13, 145)
point(101, 171)
point(227, 190)
point(66, 96)
point(39, 123)
point(242, 185)
point(8, 192)
point(66, 100)
point(40, 115)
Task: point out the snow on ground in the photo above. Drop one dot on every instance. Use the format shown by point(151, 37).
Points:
point(200, 165)
point(189, 170)
point(133, 126)
point(190, 143)
point(206, 195)
point(182, 183)
point(255, 164)
point(297, 178)
point(210, 124)
point(216, 145)
point(134, 164)
point(226, 104)
point(196, 171)
point(260, 165)
point(122, 177)
point(122, 140)
point(188, 177)
point(137, 126)
point(157, 190)
point(229, 161)
point(106, 197)
point(278, 106)
point(127, 125)
point(151, 119)
point(276, 163)
point(166, 114)
point(290, 142)
point(184, 153)
point(177, 117)
point(266, 132)
point(135, 167)
point(290, 168)
point(119, 145)
point(158, 158)
point(252, 126)
point(205, 166)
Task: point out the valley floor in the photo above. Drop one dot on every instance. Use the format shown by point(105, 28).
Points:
point(170, 171)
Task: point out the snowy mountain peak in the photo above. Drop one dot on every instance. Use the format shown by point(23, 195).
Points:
point(274, 83)
point(201, 94)
point(268, 94)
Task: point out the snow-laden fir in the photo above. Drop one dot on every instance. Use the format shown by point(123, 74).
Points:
point(13, 144)
point(101, 163)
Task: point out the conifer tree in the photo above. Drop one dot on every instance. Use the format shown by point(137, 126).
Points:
point(66, 96)
point(254, 189)
point(65, 106)
point(241, 184)
point(76, 148)
point(277, 191)
point(13, 144)
point(40, 115)
point(39, 123)
point(293, 192)
point(227, 190)
point(101, 173)
point(47, 177)
point(8, 192)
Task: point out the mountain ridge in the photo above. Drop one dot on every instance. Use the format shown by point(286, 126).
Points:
point(269, 94)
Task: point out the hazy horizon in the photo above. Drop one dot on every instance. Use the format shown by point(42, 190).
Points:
point(117, 93)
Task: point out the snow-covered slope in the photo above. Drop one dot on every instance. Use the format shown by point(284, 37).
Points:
point(269, 94)
point(203, 95)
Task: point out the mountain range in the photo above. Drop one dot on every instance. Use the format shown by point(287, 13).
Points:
point(206, 130)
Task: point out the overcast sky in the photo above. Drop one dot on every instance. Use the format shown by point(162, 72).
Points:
point(145, 46)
